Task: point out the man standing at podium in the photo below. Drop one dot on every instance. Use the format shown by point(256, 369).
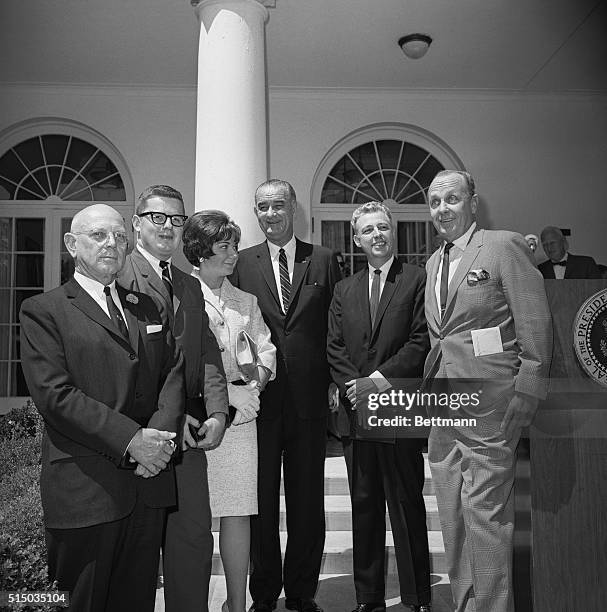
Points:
point(488, 319)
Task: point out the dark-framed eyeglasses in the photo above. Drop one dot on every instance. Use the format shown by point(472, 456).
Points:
point(158, 218)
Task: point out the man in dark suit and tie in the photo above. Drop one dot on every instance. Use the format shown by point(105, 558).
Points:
point(560, 263)
point(377, 332)
point(489, 321)
point(188, 547)
point(105, 373)
point(293, 282)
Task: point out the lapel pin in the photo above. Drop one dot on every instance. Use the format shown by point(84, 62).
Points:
point(133, 299)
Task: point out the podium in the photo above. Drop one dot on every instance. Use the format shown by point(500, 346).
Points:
point(568, 459)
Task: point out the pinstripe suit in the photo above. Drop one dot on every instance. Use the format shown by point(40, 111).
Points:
point(473, 468)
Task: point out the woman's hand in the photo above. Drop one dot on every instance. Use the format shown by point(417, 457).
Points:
point(245, 398)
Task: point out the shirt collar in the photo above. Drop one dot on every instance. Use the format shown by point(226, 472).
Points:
point(384, 268)
point(153, 261)
point(289, 249)
point(463, 240)
point(92, 286)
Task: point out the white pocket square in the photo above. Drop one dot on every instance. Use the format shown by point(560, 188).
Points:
point(153, 329)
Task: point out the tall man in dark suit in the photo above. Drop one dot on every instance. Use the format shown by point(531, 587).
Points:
point(488, 320)
point(105, 374)
point(377, 332)
point(560, 263)
point(293, 282)
point(188, 547)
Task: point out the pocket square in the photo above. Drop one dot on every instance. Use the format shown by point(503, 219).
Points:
point(153, 329)
point(474, 277)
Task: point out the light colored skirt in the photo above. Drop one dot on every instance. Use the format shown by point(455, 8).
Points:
point(232, 469)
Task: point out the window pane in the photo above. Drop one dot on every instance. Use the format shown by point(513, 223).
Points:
point(10, 167)
point(65, 181)
point(388, 152)
point(4, 342)
point(6, 233)
point(15, 330)
point(54, 148)
point(29, 190)
point(29, 234)
point(428, 171)
point(365, 157)
point(20, 295)
point(30, 153)
point(4, 378)
point(18, 384)
point(5, 305)
point(79, 154)
point(29, 270)
point(5, 269)
point(336, 235)
point(412, 157)
point(42, 178)
point(67, 267)
point(7, 190)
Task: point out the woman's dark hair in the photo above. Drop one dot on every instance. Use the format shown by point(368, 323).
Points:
point(203, 229)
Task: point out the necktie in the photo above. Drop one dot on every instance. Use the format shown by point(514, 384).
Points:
point(444, 279)
point(285, 282)
point(166, 278)
point(115, 314)
point(374, 300)
point(561, 263)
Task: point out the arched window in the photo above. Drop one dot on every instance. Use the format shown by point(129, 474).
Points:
point(393, 164)
point(49, 170)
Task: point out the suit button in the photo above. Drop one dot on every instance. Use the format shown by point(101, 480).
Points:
point(442, 336)
point(132, 356)
point(221, 323)
point(222, 349)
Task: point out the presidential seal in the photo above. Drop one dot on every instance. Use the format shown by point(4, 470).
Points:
point(590, 336)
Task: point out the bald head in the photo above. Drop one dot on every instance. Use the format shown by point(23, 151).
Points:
point(554, 243)
point(97, 241)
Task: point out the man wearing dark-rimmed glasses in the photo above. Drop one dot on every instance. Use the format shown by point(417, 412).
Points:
point(188, 547)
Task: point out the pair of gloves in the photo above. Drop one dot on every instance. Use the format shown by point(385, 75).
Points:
point(245, 398)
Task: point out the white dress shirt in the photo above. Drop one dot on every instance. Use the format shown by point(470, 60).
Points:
point(95, 290)
point(455, 256)
point(378, 379)
point(559, 271)
point(153, 261)
point(289, 249)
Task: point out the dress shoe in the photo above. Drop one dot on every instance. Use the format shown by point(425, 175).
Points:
point(302, 604)
point(377, 606)
point(263, 606)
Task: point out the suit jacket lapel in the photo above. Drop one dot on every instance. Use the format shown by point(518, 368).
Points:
point(265, 265)
point(178, 288)
point(470, 254)
point(362, 291)
point(84, 302)
point(431, 285)
point(132, 322)
point(152, 279)
point(303, 251)
point(392, 279)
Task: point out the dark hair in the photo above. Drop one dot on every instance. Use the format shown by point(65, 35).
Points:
point(203, 229)
point(279, 184)
point(157, 191)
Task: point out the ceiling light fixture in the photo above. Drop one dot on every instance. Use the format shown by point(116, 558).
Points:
point(415, 46)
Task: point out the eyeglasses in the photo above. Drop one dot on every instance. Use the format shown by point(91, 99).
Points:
point(102, 236)
point(158, 218)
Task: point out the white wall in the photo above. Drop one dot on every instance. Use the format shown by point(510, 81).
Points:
point(537, 159)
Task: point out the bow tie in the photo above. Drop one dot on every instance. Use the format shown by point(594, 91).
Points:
point(560, 263)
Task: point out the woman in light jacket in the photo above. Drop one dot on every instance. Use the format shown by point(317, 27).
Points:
point(210, 243)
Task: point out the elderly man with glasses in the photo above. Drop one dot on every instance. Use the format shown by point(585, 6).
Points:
point(105, 374)
point(188, 546)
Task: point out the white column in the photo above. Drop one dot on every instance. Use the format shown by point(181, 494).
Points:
point(231, 130)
